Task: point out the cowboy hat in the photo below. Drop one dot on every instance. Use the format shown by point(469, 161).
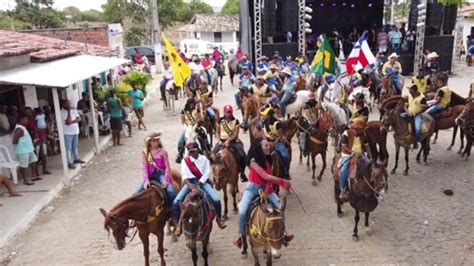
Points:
point(192, 147)
point(273, 66)
point(262, 57)
point(287, 71)
point(433, 55)
point(260, 77)
point(152, 136)
point(393, 55)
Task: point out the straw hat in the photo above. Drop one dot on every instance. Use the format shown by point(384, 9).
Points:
point(273, 66)
point(152, 136)
point(432, 55)
point(262, 58)
point(287, 71)
point(393, 55)
point(260, 77)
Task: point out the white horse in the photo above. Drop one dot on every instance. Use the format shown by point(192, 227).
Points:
point(337, 113)
point(365, 91)
point(191, 135)
point(301, 99)
point(170, 96)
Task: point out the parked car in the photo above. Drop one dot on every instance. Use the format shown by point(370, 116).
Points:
point(147, 51)
point(195, 46)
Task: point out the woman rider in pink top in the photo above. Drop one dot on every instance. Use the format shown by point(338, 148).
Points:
point(156, 166)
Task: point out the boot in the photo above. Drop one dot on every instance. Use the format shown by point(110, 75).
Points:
point(180, 155)
point(220, 223)
point(239, 242)
point(287, 239)
point(243, 177)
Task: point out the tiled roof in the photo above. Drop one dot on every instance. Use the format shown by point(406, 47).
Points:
point(213, 23)
point(42, 49)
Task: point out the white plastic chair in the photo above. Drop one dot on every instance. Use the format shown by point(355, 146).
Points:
point(6, 161)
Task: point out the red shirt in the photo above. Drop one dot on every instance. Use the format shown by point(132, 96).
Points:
point(256, 179)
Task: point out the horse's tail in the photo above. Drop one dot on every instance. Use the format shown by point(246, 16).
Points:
point(177, 181)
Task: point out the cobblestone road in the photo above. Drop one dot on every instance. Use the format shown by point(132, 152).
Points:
point(415, 224)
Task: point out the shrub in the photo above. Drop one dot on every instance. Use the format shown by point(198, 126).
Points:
point(141, 79)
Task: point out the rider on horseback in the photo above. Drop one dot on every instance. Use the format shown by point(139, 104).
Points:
point(414, 110)
point(431, 65)
point(262, 64)
point(190, 116)
point(421, 81)
point(156, 166)
point(196, 172)
point(272, 129)
point(260, 178)
point(311, 114)
point(354, 143)
point(443, 95)
point(288, 89)
point(167, 76)
point(359, 110)
point(392, 68)
point(246, 80)
point(204, 97)
point(261, 90)
point(228, 134)
point(207, 64)
point(329, 84)
point(272, 78)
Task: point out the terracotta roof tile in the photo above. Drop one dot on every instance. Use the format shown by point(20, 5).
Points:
point(42, 49)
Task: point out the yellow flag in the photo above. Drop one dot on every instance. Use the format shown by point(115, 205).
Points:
point(180, 70)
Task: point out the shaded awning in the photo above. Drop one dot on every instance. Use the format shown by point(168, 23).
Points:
point(60, 73)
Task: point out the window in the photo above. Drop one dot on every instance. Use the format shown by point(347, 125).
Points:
point(217, 36)
point(237, 33)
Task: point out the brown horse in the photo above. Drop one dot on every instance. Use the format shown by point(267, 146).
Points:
point(250, 107)
point(225, 170)
point(365, 190)
point(265, 231)
point(197, 217)
point(300, 83)
point(403, 137)
point(318, 141)
point(389, 103)
point(206, 121)
point(377, 139)
point(466, 121)
point(387, 89)
point(233, 68)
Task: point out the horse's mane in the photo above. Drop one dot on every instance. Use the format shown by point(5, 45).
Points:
point(457, 99)
point(286, 123)
point(336, 110)
point(391, 101)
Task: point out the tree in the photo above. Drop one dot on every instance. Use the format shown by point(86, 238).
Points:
point(199, 7)
point(459, 3)
point(73, 12)
point(38, 13)
point(92, 15)
point(231, 7)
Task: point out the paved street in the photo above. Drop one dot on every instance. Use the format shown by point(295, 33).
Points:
point(415, 223)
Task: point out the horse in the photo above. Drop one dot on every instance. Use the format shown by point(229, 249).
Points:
point(206, 120)
point(389, 103)
point(232, 65)
point(196, 134)
point(250, 107)
point(300, 83)
point(197, 216)
point(301, 97)
point(457, 106)
point(265, 231)
point(220, 67)
point(387, 89)
point(377, 137)
point(365, 191)
point(170, 96)
point(225, 171)
point(150, 211)
point(340, 117)
point(466, 122)
point(318, 141)
point(403, 137)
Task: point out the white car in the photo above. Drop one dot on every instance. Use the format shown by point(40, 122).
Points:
point(194, 46)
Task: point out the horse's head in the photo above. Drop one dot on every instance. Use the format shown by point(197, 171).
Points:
point(119, 227)
point(190, 217)
point(220, 171)
point(250, 107)
point(274, 229)
point(388, 119)
point(290, 127)
point(379, 179)
point(327, 123)
point(467, 115)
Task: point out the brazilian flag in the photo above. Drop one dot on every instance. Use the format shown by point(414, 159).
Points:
point(324, 61)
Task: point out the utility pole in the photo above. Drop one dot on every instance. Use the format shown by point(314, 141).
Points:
point(156, 36)
point(392, 5)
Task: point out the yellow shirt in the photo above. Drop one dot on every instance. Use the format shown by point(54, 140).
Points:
point(414, 104)
point(227, 127)
point(311, 114)
point(357, 146)
point(395, 66)
point(421, 84)
point(446, 99)
point(269, 74)
point(472, 90)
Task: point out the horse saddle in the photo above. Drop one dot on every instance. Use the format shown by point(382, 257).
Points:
point(159, 189)
point(292, 99)
point(446, 112)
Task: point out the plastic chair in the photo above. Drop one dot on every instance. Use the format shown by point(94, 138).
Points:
point(6, 161)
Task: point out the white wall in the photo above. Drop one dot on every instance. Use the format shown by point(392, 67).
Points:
point(31, 99)
point(228, 37)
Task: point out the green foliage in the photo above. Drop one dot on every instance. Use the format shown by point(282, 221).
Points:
point(199, 7)
point(9, 23)
point(91, 15)
point(459, 3)
point(38, 13)
point(139, 78)
point(134, 36)
point(231, 7)
point(101, 94)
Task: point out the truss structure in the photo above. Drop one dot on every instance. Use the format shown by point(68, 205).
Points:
point(301, 26)
point(258, 28)
point(420, 36)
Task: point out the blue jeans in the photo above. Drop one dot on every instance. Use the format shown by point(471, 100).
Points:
point(250, 193)
point(160, 178)
point(344, 167)
point(272, 88)
point(283, 101)
point(396, 47)
point(185, 191)
point(397, 84)
point(211, 113)
point(418, 121)
point(435, 109)
point(238, 100)
point(163, 87)
point(284, 154)
point(72, 145)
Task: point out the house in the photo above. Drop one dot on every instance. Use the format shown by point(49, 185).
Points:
point(215, 28)
point(36, 71)
point(468, 22)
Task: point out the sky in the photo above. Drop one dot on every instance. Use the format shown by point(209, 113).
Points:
point(88, 4)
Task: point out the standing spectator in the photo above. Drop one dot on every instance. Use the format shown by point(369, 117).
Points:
point(410, 38)
point(7, 183)
point(137, 103)
point(24, 149)
point(71, 119)
point(167, 76)
point(84, 104)
point(395, 38)
point(403, 31)
point(4, 123)
point(239, 53)
point(115, 109)
point(52, 130)
point(469, 41)
point(41, 139)
point(382, 40)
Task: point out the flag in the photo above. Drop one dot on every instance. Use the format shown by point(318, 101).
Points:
point(324, 61)
point(360, 56)
point(180, 70)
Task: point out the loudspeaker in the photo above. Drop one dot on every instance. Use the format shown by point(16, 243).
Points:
point(450, 17)
point(434, 18)
point(284, 49)
point(413, 18)
point(443, 45)
point(288, 12)
point(269, 18)
point(472, 32)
